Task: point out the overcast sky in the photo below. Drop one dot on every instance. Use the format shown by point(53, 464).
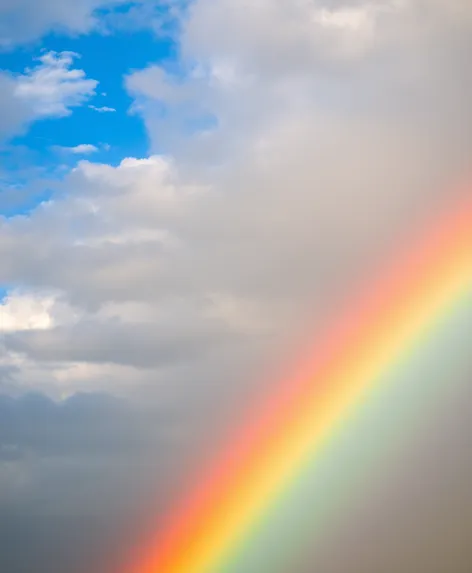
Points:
point(187, 188)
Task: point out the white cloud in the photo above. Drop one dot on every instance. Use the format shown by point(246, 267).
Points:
point(282, 35)
point(102, 109)
point(81, 149)
point(53, 87)
point(21, 311)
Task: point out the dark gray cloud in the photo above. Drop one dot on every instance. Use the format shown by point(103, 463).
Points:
point(84, 479)
point(76, 478)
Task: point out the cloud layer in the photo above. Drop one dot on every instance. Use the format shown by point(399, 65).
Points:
point(286, 180)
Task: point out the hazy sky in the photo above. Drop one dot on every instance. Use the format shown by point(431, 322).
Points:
point(186, 188)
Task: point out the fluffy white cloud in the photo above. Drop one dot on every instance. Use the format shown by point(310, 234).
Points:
point(52, 88)
point(25, 311)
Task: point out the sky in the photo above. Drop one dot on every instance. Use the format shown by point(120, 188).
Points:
point(187, 188)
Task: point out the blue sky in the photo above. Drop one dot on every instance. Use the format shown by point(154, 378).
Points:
point(117, 134)
point(32, 159)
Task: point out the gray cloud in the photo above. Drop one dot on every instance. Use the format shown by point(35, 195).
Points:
point(77, 477)
point(14, 113)
point(140, 345)
point(63, 477)
point(27, 21)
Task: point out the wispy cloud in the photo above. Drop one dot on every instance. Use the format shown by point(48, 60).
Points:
point(102, 109)
point(54, 87)
point(81, 149)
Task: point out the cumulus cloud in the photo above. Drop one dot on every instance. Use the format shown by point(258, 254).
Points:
point(24, 311)
point(52, 88)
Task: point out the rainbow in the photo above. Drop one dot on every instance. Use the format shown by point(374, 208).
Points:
point(273, 460)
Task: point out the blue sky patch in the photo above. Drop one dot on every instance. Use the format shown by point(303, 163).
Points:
point(101, 129)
